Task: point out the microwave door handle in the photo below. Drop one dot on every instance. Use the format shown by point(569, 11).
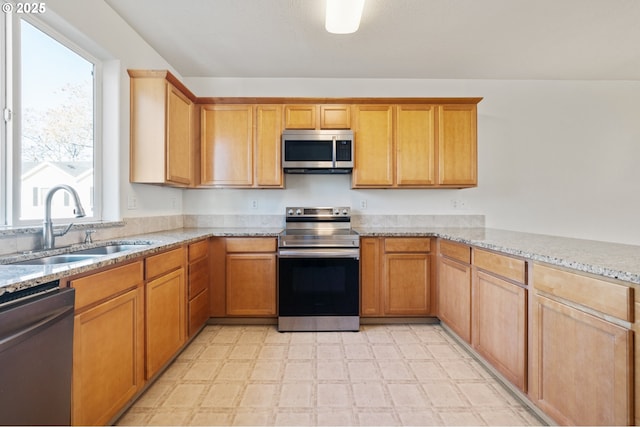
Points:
point(334, 144)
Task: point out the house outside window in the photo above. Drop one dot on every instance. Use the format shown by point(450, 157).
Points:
point(49, 137)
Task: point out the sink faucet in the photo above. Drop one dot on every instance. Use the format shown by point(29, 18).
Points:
point(48, 235)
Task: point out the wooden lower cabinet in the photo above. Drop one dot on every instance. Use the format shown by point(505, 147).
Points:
point(395, 277)
point(499, 313)
point(165, 319)
point(244, 277)
point(499, 331)
point(251, 284)
point(582, 348)
point(582, 366)
point(454, 289)
point(108, 344)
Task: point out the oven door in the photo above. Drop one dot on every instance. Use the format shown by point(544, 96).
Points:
point(318, 285)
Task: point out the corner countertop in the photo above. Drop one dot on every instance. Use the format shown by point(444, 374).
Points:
point(612, 260)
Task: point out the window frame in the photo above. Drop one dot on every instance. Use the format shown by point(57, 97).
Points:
point(10, 146)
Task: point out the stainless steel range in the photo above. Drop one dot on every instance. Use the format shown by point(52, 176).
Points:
point(318, 271)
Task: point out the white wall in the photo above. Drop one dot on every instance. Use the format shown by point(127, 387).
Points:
point(99, 29)
point(555, 157)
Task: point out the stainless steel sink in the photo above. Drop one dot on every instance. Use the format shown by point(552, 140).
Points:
point(81, 255)
point(57, 259)
point(109, 249)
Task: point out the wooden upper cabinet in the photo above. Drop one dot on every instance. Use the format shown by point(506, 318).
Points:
point(457, 145)
point(313, 116)
point(335, 116)
point(179, 139)
point(227, 145)
point(162, 137)
point(268, 151)
point(374, 154)
point(415, 145)
point(300, 116)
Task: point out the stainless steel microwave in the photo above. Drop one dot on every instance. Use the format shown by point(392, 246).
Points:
point(317, 151)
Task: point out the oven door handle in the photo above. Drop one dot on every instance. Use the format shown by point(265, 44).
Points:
point(319, 253)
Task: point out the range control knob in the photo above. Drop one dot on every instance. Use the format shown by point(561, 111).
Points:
point(298, 212)
point(345, 212)
point(290, 212)
point(336, 211)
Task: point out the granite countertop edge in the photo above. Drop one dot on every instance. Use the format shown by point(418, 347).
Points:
point(610, 260)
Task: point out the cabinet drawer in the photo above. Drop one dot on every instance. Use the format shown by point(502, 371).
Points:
point(198, 277)
point(606, 297)
point(407, 244)
point(505, 266)
point(198, 250)
point(456, 251)
point(162, 263)
point(198, 312)
point(251, 244)
point(99, 286)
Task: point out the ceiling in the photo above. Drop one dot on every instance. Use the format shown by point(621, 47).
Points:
point(430, 39)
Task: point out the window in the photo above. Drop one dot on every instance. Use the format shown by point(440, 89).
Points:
point(50, 123)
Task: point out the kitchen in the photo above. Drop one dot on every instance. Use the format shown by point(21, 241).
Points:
point(535, 174)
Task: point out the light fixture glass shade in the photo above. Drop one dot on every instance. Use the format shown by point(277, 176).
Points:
point(343, 16)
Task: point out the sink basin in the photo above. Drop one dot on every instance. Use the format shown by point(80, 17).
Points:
point(109, 249)
point(81, 255)
point(57, 259)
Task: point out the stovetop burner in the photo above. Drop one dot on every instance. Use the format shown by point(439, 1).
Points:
point(314, 227)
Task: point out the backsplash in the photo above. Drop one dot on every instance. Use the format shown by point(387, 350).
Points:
point(13, 240)
point(23, 239)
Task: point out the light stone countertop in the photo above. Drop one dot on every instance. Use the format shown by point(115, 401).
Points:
point(17, 277)
point(613, 260)
point(617, 261)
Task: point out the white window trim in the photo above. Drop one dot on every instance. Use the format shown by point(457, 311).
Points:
point(11, 144)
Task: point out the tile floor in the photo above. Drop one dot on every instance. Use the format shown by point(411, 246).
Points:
point(383, 375)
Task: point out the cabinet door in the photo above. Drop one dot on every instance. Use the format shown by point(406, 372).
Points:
point(415, 145)
point(108, 358)
point(406, 287)
point(300, 116)
point(227, 145)
point(179, 140)
point(335, 117)
point(499, 325)
point(166, 319)
point(268, 147)
point(454, 296)
point(373, 152)
point(582, 366)
point(251, 284)
point(370, 286)
point(457, 145)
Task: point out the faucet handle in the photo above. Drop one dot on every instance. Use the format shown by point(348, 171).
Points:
point(65, 231)
point(87, 236)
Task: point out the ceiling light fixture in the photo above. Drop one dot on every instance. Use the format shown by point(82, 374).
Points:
point(343, 16)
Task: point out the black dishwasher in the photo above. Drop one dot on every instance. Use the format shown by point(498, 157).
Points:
point(36, 355)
